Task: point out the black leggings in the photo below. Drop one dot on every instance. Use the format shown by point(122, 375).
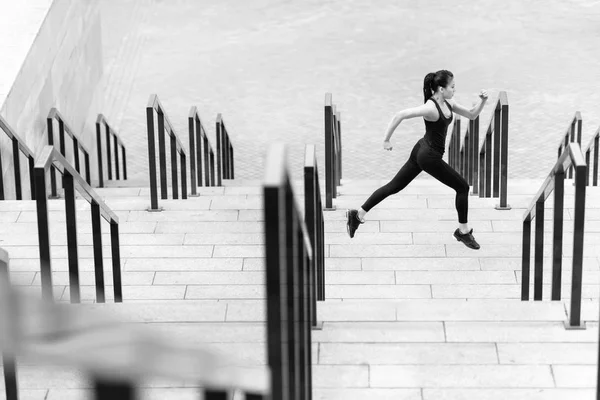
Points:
point(425, 158)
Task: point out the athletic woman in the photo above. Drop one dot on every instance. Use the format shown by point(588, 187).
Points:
point(426, 155)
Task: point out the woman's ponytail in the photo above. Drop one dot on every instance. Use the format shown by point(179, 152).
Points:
point(427, 86)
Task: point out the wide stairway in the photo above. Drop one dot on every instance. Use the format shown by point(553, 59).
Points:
point(410, 313)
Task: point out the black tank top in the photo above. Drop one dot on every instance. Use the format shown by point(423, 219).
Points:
point(435, 131)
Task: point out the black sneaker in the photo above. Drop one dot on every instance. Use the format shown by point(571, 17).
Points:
point(467, 239)
point(353, 222)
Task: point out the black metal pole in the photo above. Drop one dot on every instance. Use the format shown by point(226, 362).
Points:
point(329, 159)
point(496, 152)
point(291, 300)
point(174, 178)
point(70, 210)
point(124, 163)
point(110, 390)
point(152, 158)
point(43, 234)
point(526, 260)
point(53, 188)
point(162, 155)
point(557, 246)
point(219, 150)
point(98, 259)
point(210, 394)
point(17, 168)
point(76, 155)
point(578, 242)
point(99, 150)
point(88, 172)
point(9, 365)
point(539, 250)
point(596, 140)
point(31, 176)
point(504, 160)
point(108, 154)
point(116, 261)
point(193, 151)
point(117, 171)
point(488, 165)
point(183, 159)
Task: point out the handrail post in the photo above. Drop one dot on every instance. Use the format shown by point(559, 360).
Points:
point(219, 138)
point(526, 260)
point(31, 177)
point(98, 259)
point(116, 261)
point(183, 160)
point(476, 156)
point(162, 155)
point(1, 179)
point(174, 178)
point(99, 151)
point(152, 160)
point(488, 165)
point(9, 363)
point(578, 242)
point(557, 245)
point(193, 152)
point(339, 157)
point(116, 149)
point(539, 251)
point(596, 140)
point(43, 234)
point(496, 151)
point(53, 188)
point(17, 168)
point(329, 155)
point(108, 154)
point(504, 159)
point(124, 163)
point(71, 220)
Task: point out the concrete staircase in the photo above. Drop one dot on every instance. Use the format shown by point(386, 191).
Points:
point(410, 314)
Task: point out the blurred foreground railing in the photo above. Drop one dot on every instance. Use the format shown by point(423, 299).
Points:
point(333, 152)
point(78, 147)
point(114, 355)
point(201, 152)
point(289, 256)
point(572, 156)
point(51, 158)
point(154, 106)
point(18, 147)
point(117, 144)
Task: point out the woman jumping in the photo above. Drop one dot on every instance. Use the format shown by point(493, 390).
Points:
point(427, 153)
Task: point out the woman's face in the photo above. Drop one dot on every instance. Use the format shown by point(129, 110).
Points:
point(448, 91)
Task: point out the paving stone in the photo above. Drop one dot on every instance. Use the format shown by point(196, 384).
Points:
point(492, 310)
point(420, 264)
point(22, 278)
point(210, 227)
point(410, 353)
point(360, 394)
point(172, 311)
point(339, 226)
point(588, 276)
point(246, 311)
point(503, 394)
point(224, 238)
point(404, 202)
point(253, 264)
point(486, 250)
point(89, 278)
point(248, 190)
point(9, 216)
point(239, 251)
point(25, 394)
point(184, 264)
point(225, 292)
point(502, 291)
point(134, 293)
point(386, 250)
point(430, 226)
point(48, 377)
point(183, 216)
point(209, 278)
point(378, 291)
point(340, 376)
point(360, 278)
point(518, 332)
point(215, 332)
point(575, 376)
point(380, 332)
point(342, 264)
point(166, 251)
point(229, 203)
point(461, 376)
point(515, 263)
point(454, 277)
point(373, 238)
point(355, 311)
point(548, 353)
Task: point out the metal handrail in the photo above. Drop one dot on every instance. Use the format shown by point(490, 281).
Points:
point(176, 146)
point(569, 136)
point(225, 167)
point(594, 140)
point(555, 182)
point(116, 355)
point(63, 128)
point(100, 121)
point(72, 180)
point(18, 145)
point(333, 151)
point(289, 255)
point(314, 219)
point(200, 149)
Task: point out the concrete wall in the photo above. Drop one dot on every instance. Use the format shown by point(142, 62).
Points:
point(63, 69)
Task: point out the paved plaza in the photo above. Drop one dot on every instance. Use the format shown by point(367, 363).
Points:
point(266, 66)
